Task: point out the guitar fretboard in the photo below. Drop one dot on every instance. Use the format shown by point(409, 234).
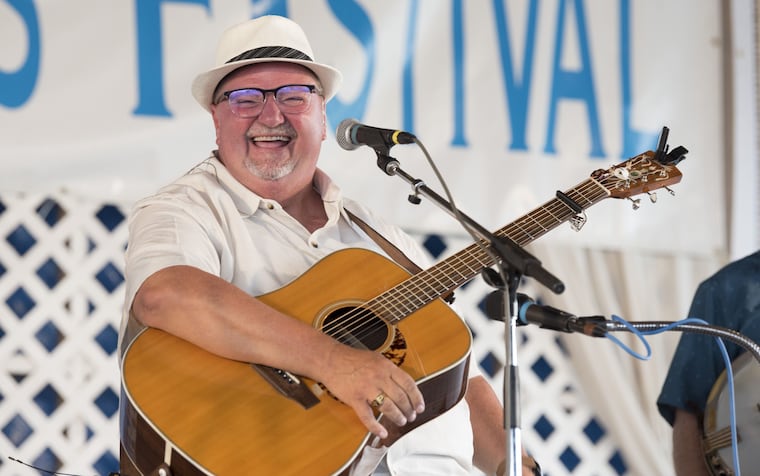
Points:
point(639, 174)
point(439, 280)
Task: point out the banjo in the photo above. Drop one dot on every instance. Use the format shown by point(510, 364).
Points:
point(717, 424)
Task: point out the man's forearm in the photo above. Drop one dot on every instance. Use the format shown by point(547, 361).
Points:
point(688, 456)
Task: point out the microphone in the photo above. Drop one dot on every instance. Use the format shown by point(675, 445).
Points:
point(547, 317)
point(351, 134)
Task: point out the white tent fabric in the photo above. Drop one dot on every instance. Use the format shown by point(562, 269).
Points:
point(656, 287)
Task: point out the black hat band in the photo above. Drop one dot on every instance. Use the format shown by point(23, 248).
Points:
point(271, 52)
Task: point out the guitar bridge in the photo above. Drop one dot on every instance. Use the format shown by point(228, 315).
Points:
point(288, 385)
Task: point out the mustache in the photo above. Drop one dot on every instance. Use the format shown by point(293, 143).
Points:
point(284, 130)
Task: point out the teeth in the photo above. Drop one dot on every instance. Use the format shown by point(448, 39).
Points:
point(271, 138)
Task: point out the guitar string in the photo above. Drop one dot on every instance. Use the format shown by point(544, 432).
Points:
point(398, 297)
point(401, 292)
point(395, 303)
point(534, 234)
point(481, 258)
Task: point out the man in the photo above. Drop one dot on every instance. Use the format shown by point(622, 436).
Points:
point(257, 214)
point(731, 299)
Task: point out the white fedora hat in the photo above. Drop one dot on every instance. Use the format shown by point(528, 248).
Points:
point(261, 40)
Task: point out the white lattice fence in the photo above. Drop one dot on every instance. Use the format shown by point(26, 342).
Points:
point(61, 287)
point(60, 258)
point(558, 426)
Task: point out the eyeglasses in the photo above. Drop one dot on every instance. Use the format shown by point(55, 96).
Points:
point(249, 102)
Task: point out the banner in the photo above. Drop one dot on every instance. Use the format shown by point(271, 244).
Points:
point(514, 100)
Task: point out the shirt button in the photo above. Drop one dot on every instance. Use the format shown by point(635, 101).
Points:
point(314, 244)
point(270, 206)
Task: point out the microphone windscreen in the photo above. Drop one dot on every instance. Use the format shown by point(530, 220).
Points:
point(343, 134)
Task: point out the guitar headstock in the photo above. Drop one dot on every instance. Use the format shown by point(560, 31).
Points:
point(644, 173)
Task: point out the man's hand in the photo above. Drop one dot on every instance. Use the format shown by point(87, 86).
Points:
point(366, 380)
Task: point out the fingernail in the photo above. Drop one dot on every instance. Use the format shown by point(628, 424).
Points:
point(413, 416)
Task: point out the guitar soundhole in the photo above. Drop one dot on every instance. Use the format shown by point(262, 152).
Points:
point(356, 327)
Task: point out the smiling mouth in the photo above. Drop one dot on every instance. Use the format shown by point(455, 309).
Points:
point(285, 139)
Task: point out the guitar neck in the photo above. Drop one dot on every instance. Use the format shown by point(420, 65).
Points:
point(451, 273)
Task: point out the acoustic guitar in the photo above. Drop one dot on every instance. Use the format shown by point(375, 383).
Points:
point(191, 412)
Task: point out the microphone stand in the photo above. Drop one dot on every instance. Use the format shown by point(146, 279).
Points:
point(514, 263)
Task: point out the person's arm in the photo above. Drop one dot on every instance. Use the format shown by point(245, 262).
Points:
point(688, 455)
point(490, 437)
point(219, 317)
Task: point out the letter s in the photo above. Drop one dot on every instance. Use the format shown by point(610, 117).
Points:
point(16, 87)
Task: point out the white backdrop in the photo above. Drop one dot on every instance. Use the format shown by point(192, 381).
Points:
point(514, 100)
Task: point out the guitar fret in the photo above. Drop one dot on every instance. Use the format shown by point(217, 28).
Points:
point(533, 220)
point(413, 294)
point(467, 264)
point(441, 281)
point(402, 304)
point(583, 196)
point(530, 233)
point(552, 214)
point(419, 292)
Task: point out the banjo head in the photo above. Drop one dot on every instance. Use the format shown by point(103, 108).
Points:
point(717, 423)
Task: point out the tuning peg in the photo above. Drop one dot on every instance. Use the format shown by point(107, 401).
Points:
point(652, 197)
point(635, 203)
point(670, 191)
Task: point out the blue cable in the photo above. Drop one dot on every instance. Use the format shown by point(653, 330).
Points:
point(635, 332)
point(726, 361)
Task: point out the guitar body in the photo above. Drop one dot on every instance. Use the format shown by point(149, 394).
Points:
point(219, 416)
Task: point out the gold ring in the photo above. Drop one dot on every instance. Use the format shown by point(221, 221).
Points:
point(378, 400)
